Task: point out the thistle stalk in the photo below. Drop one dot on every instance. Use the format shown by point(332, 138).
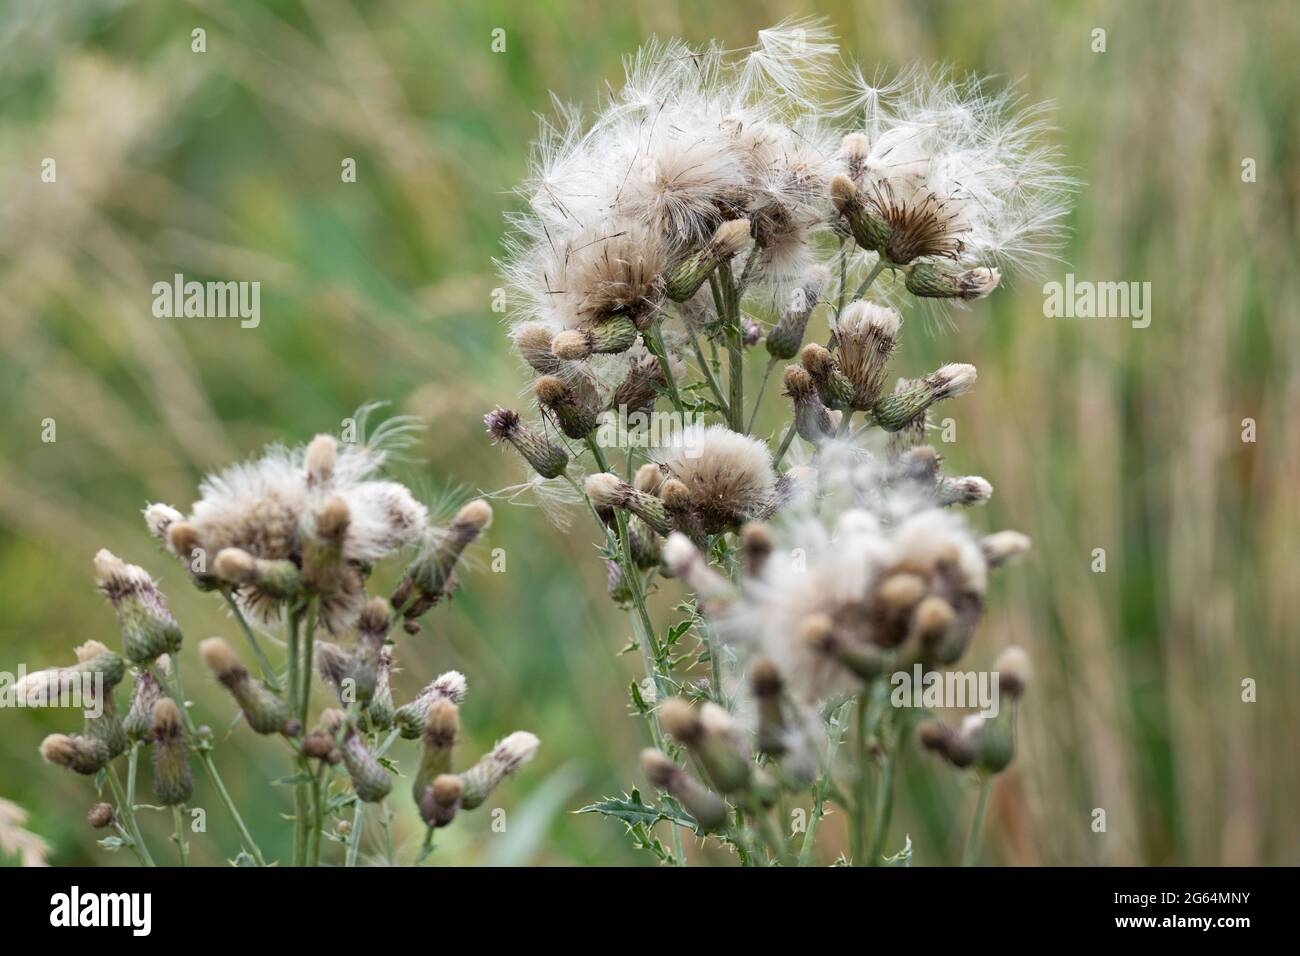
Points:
point(972, 851)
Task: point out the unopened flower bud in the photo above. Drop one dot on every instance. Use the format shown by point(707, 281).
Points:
point(1013, 670)
point(146, 623)
point(84, 755)
point(441, 800)
point(534, 340)
point(929, 280)
point(869, 231)
point(502, 760)
point(812, 420)
point(610, 491)
point(685, 279)
point(894, 411)
point(172, 782)
point(439, 740)
point(412, 717)
point(834, 389)
point(370, 781)
point(1000, 547)
point(547, 459)
point(278, 578)
point(138, 722)
point(970, 490)
point(575, 418)
point(708, 809)
point(608, 337)
point(785, 337)
point(100, 816)
point(265, 712)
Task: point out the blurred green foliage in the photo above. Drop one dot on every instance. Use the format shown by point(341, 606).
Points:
point(226, 165)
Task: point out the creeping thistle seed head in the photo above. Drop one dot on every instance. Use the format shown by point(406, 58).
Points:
point(708, 809)
point(265, 712)
point(729, 475)
point(1013, 670)
point(969, 490)
point(866, 335)
point(547, 459)
point(534, 342)
point(147, 626)
point(502, 760)
point(172, 781)
point(897, 410)
point(574, 417)
point(84, 755)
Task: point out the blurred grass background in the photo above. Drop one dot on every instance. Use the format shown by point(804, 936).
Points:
point(226, 165)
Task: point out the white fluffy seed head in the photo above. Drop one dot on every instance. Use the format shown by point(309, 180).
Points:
point(729, 475)
point(159, 517)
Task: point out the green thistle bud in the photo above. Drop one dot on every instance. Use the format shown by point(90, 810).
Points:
point(574, 417)
point(710, 733)
point(263, 710)
point(833, 387)
point(616, 583)
point(372, 629)
point(172, 782)
point(502, 760)
point(610, 491)
point(146, 623)
point(84, 755)
point(370, 780)
point(547, 458)
point(784, 338)
point(931, 281)
point(380, 710)
point(708, 809)
point(899, 409)
point(685, 279)
point(812, 420)
point(869, 231)
point(138, 722)
point(279, 579)
point(412, 717)
point(442, 724)
point(609, 337)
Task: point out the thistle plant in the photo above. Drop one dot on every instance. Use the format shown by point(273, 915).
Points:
point(725, 212)
point(290, 542)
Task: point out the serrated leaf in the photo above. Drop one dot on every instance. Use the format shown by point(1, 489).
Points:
point(903, 857)
point(633, 811)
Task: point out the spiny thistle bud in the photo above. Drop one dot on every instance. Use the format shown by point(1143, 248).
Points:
point(1013, 670)
point(970, 490)
point(708, 809)
point(608, 337)
point(411, 718)
point(866, 335)
point(265, 712)
point(610, 491)
point(685, 279)
point(685, 561)
point(146, 623)
point(834, 389)
point(894, 411)
point(1001, 546)
point(158, 518)
point(439, 739)
point(502, 760)
point(547, 459)
point(575, 418)
point(172, 783)
point(784, 338)
point(755, 547)
point(534, 341)
point(441, 800)
point(812, 421)
point(274, 578)
point(84, 755)
point(928, 280)
point(767, 684)
point(370, 780)
point(100, 816)
point(138, 722)
point(431, 575)
point(869, 231)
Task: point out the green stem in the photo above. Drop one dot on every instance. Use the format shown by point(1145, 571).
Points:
point(785, 446)
point(861, 738)
point(972, 851)
point(654, 341)
point(885, 790)
point(181, 848)
point(758, 399)
point(824, 785)
point(354, 835)
point(878, 268)
point(735, 348)
point(707, 367)
point(128, 813)
point(263, 663)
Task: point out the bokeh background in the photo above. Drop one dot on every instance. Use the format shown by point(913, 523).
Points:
point(226, 165)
